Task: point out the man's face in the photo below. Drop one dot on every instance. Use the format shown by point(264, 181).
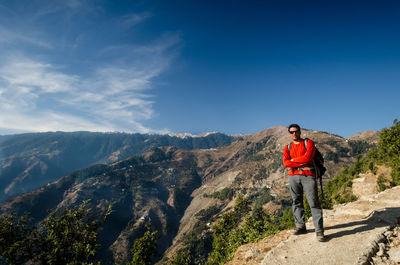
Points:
point(294, 133)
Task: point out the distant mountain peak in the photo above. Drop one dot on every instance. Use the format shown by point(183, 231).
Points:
point(370, 136)
point(185, 135)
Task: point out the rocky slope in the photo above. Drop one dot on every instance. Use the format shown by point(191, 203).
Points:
point(370, 136)
point(180, 191)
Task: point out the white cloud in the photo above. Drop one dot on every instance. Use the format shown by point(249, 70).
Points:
point(35, 77)
point(37, 96)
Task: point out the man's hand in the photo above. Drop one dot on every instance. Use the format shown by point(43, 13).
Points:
point(302, 164)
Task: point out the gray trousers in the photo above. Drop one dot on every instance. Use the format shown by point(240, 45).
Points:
point(299, 184)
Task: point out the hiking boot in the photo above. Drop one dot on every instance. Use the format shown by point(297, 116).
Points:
point(320, 236)
point(299, 231)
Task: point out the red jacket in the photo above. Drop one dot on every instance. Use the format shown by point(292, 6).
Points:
point(302, 158)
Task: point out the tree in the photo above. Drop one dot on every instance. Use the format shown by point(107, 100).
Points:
point(69, 237)
point(389, 150)
point(17, 238)
point(144, 248)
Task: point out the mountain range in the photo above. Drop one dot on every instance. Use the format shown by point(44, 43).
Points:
point(181, 191)
point(28, 161)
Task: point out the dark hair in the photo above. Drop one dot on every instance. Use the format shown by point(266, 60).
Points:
point(293, 125)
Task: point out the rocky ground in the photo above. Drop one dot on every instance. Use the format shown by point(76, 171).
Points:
point(362, 232)
point(389, 248)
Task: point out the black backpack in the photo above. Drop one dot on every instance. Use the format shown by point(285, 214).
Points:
point(318, 161)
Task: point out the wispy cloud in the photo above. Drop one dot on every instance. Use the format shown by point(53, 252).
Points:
point(42, 90)
point(10, 37)
point(38, 96)
point(135, 18)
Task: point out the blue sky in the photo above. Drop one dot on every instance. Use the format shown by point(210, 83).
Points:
point(197, 66)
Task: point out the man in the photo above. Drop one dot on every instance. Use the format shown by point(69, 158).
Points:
point(302, 179)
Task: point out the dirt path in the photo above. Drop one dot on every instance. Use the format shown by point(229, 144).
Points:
point(364, 185)
point(354, 232)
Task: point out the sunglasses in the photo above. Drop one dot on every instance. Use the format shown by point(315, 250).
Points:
point(292, 132)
